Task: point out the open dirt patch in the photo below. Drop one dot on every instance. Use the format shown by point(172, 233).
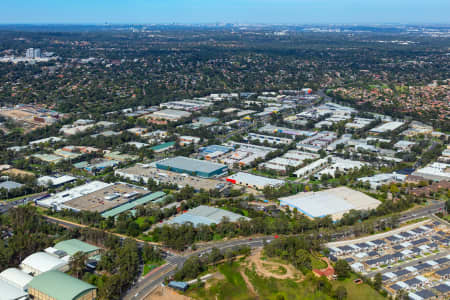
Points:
point(249, 285)
point(165, 293)
point(272, 269)
point(214, 279)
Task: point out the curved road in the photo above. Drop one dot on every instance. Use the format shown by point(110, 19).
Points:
point(145, 285)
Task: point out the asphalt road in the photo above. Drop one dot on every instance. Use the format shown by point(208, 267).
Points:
point(10, 204)
point(175, 262)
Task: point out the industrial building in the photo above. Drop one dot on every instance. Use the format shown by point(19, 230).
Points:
point(146, 172)
point(97, 164)
point(386, 127)
point(53, 181)
point(269, 139)
point(40, 262)
point(205, 215)
point(73, 246)
point(154, 197)
point(167, 115)
point(335, 202)
point(245, 154)
point(292, 158)
point(254, 181)
point(94, 196)
point(339, 165)
point(10, 185)
point(288, 131)
point(60, 286)
point(380, 179)
point(187, 105)
point(435, 171)
point(214, 151)
point(311, 168)
point(187, 140)
point(317, 142)
point(163, 147)
point(16, 278)
point(9, 291)
point(191, 166)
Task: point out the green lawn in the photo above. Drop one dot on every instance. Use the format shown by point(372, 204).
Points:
point(317, 263)
point(233, 287)
point(358, 291)
point(271, 288)
point(151, 265)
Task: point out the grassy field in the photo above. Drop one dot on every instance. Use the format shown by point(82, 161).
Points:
point(317, 263)
point(234, 287)
point(271, 288)
point(358, 291)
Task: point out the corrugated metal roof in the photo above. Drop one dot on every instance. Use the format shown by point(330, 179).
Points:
point(73, 246)
point(9, 291)
point(43, 262)
point(162, 146)
point(16, 278)
point(190, 164)
point(59, 285)
point(10, 185)
point(130, 205)
point(205, 215)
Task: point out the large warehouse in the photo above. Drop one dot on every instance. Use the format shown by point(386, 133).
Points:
point(40, 262)
point(16, 277)
point(58, 285)
point(95, 196)
point(254, 181)
point(73, 246)
point(191, 166)
point(335, 202)
point(205, 215)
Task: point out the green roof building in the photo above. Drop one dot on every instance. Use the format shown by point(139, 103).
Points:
point(163, 147)
point(153, 197)
point(73, 246)
point(55, 285)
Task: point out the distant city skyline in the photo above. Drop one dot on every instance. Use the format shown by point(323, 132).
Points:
point(224, 11)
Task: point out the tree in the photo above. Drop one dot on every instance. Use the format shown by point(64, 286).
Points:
point(377, 281)
point(340, 293)
point(342, 269)
point(77, 263)
point(303, 259)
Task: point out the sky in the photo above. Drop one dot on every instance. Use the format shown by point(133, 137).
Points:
point(228, 11)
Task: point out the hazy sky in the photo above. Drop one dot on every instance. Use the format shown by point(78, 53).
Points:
point(232, 11)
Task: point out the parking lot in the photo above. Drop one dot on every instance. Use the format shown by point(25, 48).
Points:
point(145, 172)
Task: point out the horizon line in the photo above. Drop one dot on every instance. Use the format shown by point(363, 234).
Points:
point(228, 23)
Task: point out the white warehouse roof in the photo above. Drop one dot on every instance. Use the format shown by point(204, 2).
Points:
point(44, 180)
point(16, 277)
point(42, 262)
point(10, 292)
point(253, 180)
point(334, 202)
point(71, 194)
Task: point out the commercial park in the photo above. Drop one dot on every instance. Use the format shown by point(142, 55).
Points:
point(186, 166)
